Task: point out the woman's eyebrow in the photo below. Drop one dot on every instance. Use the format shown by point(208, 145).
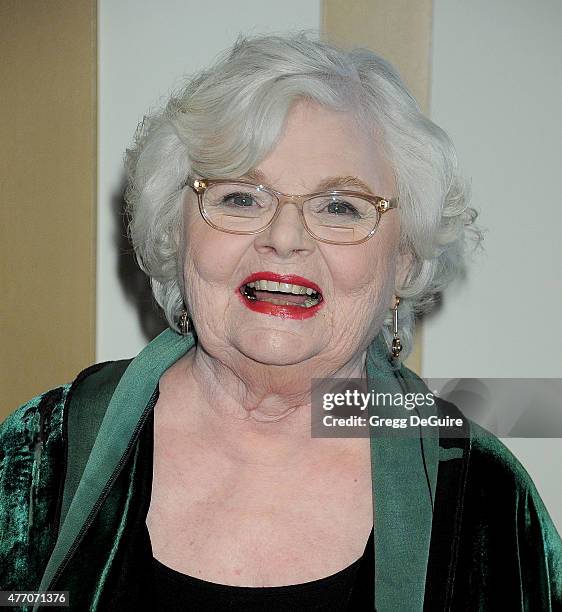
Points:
point(335, 182)
point(255, 176)
point(330, 182)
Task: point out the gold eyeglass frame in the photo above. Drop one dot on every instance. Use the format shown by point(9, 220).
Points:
point(381, 204)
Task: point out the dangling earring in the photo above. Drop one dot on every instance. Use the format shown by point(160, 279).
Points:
point(396, 344)
point(184, 323)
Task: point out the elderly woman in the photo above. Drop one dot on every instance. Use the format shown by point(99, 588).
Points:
point(294, 210)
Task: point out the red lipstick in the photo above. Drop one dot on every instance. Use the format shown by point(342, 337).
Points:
point(277, 310)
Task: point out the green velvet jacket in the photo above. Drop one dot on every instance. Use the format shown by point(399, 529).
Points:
point(459, 523)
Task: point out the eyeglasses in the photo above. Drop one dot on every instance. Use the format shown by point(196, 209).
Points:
point(335, 217)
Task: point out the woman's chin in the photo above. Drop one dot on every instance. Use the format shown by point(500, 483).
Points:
point(276, 348)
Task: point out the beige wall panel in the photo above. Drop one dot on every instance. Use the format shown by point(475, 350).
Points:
point(47, 187)
point(400, 31)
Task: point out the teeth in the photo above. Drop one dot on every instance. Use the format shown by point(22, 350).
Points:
point(264, 285)
point(279, 302)
point(310, 302)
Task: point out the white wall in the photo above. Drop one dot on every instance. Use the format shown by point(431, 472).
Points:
point(497, 90)
point(144, 49)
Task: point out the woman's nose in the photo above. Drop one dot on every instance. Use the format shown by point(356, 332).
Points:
point(286, 234)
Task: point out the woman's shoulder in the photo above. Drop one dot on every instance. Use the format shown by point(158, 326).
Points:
point(34, 421)
point(43, 446)
point(496, 464)
point(37, 431)
point(483, 450)
point(43, 414)
point(31, 460)
point(505, 489)
point(495, 481)
point(508, 551)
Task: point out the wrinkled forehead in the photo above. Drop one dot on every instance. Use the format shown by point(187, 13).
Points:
point(320, 149)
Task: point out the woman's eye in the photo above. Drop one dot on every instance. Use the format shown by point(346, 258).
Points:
point(341, 208)
point(242, 200)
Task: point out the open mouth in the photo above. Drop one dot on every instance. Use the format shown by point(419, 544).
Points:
point(281, 294)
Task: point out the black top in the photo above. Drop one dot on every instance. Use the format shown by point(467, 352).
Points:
point(352, 588)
